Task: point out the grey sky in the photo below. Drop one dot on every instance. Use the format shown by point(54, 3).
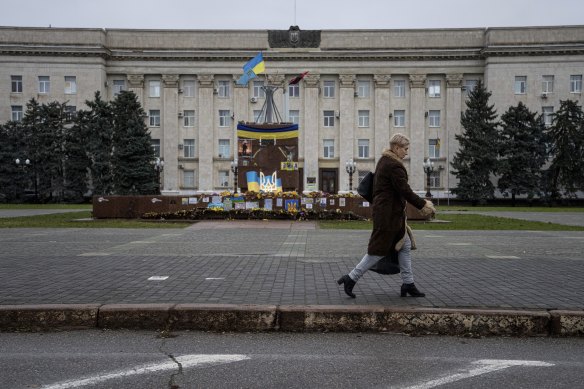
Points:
point(279, 14)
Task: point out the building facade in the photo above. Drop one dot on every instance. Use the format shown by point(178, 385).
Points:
point(362, 87)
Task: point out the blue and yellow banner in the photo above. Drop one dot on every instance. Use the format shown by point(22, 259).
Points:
point(250, 132)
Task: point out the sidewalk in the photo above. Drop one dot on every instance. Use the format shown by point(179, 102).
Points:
point(280, 275)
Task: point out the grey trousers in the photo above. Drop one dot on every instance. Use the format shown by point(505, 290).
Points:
point(405, 263)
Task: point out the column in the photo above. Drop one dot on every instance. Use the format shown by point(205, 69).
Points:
point(382, 122)
point(347, 126)
point(170, 131)
point(241, 113)
point(309, 134)
point(417, 120)
point(449, 145)
point(206, 138)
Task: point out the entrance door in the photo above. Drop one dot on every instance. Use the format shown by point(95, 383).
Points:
point(329, 181)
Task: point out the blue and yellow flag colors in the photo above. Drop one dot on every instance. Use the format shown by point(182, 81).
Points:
point(252, 68)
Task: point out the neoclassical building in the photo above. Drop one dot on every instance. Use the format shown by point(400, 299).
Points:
point(362, 87)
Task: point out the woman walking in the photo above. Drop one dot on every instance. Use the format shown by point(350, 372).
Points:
point(390, 232)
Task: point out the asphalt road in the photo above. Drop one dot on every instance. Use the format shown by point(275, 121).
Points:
point(120, 359)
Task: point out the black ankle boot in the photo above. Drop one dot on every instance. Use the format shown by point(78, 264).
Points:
point(411, 290)
point(348, 283)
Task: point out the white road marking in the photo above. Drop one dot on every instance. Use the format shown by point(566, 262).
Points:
point(484, 366)
point(212, 278)
point(185, 360)
point(157, 278)
point(502, 256)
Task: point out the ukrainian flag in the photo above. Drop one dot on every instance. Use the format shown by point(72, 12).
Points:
point(253, 67)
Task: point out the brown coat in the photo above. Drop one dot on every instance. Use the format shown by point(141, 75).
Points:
point(390, 193)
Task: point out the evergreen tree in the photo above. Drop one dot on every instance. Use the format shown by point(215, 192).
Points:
point(13, 179)
point(96, 128)
point(522, 152)
point(567, 149)
point(76, 163)
point(133, 156)
point(476, 158)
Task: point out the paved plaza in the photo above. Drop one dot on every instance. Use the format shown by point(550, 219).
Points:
point(283, 262)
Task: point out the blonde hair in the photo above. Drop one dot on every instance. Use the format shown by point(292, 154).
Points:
point(399, 140)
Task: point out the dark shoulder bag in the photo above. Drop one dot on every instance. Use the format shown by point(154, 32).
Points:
point(365, 188)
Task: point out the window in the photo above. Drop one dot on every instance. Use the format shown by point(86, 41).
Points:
point(434, 88)
point(188, 178)
point(154, 88)
point(434, 148)
point(16, 84)
point(189, 89)
point(470, 85)
point(547, 84)
point(434, 118)
point(156, 147)
point(16, 113)
point(257, 89)
point(363, 118)
point(223, 178)
point(224, 118)
point(328, 88)
point(70, 85)
point(119, 85)
point(329, 118)
point(435, 180)
point(363, 146)
point(294, 90)
point(154, 118)
point(399, 118)
point(294, 116)
point(256, 115)
point(576, 84)
point(224, 149)
point(363, 88)
point(520, 85)
point(223, 88)
point(189, 148)
point(547, 115)
point(329, 148)
point(44, 84)
point(189, 118)
point(399, 88)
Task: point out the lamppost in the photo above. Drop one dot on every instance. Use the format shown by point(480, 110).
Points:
point(428, 169)
point(24, 167)
point(159, 167)
point(234, 169)
point(351, 167)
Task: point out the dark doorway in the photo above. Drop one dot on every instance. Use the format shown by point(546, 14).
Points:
point(329, 180)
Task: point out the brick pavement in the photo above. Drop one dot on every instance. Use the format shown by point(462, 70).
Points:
point(281, 263)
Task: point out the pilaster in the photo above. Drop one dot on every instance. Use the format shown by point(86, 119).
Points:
point(346, 125)
point(382, 122)
point(170, 131)
point(449, 145)
point(136, 85)
point(206, 141)
point(309, 135)
point(417, 130)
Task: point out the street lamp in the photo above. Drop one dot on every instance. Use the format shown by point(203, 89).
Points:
point(351, 167)
point(428, 169)
point(159, 167)
point(24, 167)
point(234, 169)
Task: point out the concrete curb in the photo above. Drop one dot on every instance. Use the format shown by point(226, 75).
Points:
point(333, 318)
